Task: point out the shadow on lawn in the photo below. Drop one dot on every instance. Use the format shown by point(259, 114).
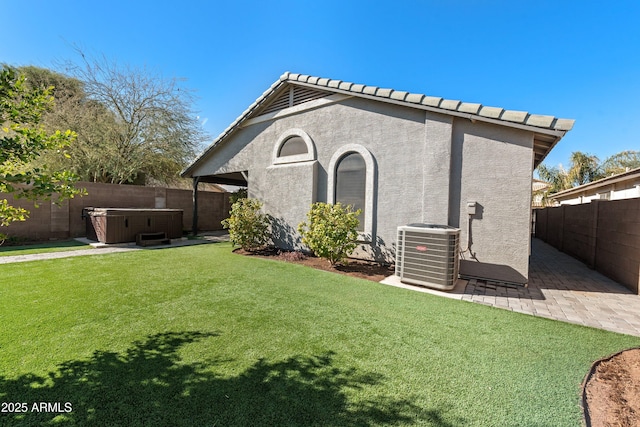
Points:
point(149, 385)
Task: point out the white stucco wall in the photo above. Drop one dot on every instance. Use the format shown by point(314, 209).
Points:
point(427, 166)
point(626, 193)
point(618, 191)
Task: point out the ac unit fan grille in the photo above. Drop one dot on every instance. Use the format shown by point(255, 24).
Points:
point(428, 257)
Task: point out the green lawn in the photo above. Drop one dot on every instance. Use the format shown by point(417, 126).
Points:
point(200, 336)
point(65, 245)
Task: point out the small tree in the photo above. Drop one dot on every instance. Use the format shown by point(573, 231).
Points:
point(23, 140)
point(332, 231)
point(247, 226)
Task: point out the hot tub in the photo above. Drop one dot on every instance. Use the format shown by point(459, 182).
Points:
point(121, 225)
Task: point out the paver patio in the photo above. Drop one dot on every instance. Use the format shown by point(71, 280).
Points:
point(560, 288)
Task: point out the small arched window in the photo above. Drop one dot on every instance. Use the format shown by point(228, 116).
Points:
point(350, 187)
point(293, 147)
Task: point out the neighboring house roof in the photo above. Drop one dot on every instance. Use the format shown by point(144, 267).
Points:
point(539, 189)
point(548, 130)
point(632, 175)
point(539, 185)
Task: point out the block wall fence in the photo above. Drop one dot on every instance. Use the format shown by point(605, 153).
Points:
point(50, 221)
point(605, 235)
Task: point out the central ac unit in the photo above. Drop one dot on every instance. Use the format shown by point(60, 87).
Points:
point(427, 255)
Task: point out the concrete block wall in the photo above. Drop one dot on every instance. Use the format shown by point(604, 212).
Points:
point(37, 226)
point(212, 207)
point(50, 221)
point(605, 235)
point(578, 232)
point(541, 218)
point(554, 228)
point(618, 235)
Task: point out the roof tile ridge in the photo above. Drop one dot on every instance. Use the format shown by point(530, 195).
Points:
point(384, 92)
point(498, 113)
point(469, 107)
point(346, 86)
point(431, 101)
point(450, 104)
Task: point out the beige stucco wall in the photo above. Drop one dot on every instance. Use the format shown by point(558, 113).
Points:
point(427, 166)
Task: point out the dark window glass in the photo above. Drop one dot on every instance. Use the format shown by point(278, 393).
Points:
point(292, 147)
point(351, 183)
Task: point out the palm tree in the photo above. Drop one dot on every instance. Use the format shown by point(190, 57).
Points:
point(585, 168)
point(556, 176)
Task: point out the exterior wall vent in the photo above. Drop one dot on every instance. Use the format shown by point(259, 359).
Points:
point(427, 255)
point(292, 96)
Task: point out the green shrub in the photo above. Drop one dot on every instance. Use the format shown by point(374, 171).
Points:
point(247, 227)
point(331, 232)
point(237, 195)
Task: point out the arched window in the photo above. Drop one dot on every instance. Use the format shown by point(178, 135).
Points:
point(351, 180)
point(293, 147)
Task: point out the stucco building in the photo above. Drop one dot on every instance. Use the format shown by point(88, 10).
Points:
point(616, 187)
point(400, 157)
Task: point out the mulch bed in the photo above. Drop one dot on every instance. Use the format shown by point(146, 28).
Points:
point(611, 394)
point(355, 268)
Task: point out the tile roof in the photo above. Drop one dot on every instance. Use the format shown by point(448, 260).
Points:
point(449, 105)
point(550, 128)
point(630, 175)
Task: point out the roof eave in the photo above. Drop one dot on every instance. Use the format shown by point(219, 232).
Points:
point(629, 175)
point(253, 107)
point(549, 128)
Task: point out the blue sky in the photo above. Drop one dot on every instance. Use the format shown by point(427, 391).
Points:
point(570, 59)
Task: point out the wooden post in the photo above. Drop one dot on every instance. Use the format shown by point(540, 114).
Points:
point(194, 226)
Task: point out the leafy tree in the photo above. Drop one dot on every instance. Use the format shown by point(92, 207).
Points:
point(153, 131)
point(247, 226)
point(89, 153)
point(133, 126)
point(22, 140)
point(332, 231)
point(621, 162)
point(585, 168)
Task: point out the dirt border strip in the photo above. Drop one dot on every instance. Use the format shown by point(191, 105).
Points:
point(586, 418)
